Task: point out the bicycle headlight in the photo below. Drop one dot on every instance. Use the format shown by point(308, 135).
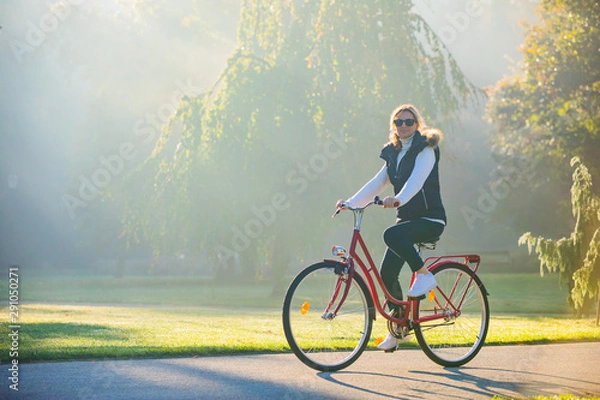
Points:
point(338, 251)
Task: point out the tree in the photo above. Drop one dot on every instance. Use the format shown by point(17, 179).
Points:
point(576, 258)
point(550, 111)
point(310, 85)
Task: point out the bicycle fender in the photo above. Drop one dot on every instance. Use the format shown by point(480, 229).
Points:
point(340, 266)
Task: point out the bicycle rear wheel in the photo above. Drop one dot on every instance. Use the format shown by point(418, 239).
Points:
point(326, 344)
point(454, 339)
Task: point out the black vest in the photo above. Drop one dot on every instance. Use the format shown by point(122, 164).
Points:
point(428, 201)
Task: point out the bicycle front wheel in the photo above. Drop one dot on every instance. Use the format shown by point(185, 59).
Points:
point(321, 342)
point(453, 319)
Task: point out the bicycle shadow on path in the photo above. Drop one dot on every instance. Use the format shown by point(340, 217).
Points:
point(459, 382)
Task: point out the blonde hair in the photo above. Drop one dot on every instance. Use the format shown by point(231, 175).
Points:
point(417, 116)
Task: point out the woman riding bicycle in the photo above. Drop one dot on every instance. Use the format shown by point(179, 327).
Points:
point(411, 166)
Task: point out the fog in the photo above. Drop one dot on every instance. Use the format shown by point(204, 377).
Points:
point(90, 84)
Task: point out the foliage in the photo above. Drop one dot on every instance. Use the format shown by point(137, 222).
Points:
point(550, 112)
point(308, 83)
point(576, 257)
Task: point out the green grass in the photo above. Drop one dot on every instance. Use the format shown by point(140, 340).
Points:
point(526, 294)
point(192, 316)
point(509, 293)
point(148, 291)
point(64, 332)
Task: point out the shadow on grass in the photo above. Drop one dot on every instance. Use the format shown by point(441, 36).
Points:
point(58, 341)
point(42, 340)
point(51, 330)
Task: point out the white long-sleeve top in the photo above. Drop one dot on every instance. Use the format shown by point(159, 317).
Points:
point(424, 164)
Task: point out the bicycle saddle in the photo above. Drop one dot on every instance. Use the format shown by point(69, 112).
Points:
point(428, 244)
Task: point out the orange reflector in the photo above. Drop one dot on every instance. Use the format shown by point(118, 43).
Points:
point(431, 295)
point(305, 307)
point(378, 341)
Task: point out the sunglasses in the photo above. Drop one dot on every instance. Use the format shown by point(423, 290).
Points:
point(408, 122)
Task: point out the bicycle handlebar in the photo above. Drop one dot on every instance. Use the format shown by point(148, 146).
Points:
point(376, 200)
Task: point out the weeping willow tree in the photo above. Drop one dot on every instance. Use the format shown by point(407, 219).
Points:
point(242, 172)
point(576, 258)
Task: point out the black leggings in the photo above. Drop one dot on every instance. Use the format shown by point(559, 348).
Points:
point(400, 240)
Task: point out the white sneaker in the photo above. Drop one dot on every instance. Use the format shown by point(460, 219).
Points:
point(389, 343)
point(423, 283)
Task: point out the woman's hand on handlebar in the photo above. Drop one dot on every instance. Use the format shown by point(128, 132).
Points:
point(339, 207)
point(390, 202)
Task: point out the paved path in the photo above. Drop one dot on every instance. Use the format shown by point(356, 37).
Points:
point(510, 371)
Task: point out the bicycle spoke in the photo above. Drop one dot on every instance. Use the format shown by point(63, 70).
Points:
point(460, 336)
point(323, 343)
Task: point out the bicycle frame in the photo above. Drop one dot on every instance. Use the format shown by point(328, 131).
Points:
point(373, 277)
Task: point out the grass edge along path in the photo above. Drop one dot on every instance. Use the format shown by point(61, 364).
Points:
point(84, 332)
point(567, 396)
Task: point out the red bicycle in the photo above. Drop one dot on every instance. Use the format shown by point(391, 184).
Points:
point(329, 307)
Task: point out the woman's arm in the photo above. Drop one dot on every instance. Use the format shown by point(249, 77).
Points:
point(371, 189)
point(423, 166)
